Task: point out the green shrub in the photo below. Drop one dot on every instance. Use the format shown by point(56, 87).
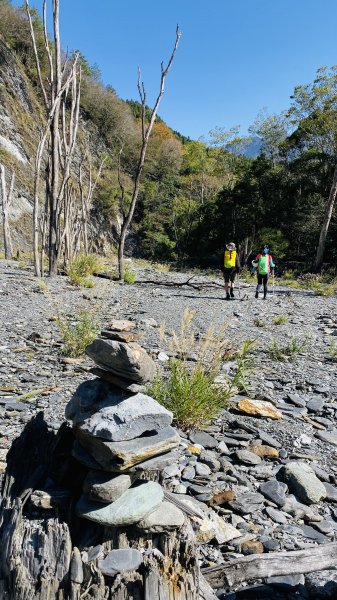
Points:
point(76, 335)
point(192, 390)
point(259, 323)
point(81, 267)
point(280, 320)
point(129, 276)
point(191, 396)
point(333, 350)
point(324, 290)
point(288, 275)
point(290, 351)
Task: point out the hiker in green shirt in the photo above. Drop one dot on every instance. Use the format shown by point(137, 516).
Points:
point(264, 266)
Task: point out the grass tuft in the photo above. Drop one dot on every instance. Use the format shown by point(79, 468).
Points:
point(281, 320)
point(77, 334)
point(289, 352)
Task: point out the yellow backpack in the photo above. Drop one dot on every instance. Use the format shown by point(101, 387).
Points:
point(229, 259)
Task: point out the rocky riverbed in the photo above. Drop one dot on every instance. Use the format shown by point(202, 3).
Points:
point(260, 484)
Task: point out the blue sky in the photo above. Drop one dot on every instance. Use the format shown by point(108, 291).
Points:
point(235, 56)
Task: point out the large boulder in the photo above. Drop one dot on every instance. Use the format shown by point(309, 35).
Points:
point(303, 482)
point(103, 410)
point(129, 361)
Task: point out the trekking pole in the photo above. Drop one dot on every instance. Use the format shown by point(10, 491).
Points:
point(239, 288)
point(273, 283)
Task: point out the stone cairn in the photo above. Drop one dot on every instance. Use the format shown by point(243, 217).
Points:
point(84, 514)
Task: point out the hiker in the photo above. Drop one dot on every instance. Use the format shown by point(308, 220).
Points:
point(231, 265)
point(264, 266)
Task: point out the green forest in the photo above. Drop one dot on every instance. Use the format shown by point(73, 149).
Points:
point(196, 195)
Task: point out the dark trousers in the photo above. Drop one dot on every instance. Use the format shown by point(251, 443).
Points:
point(263, 279)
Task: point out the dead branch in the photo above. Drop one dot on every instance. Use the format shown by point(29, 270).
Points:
point(317, 558)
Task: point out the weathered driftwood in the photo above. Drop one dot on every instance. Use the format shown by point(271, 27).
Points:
point(196, 286)
point(44, 544)
point(259, 566)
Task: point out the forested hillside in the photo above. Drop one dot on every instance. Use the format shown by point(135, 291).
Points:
point(194, 195)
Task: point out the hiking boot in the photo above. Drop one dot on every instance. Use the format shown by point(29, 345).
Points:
point(232, 293)
point(256, 294)
point(265, 297)
point(228, 297)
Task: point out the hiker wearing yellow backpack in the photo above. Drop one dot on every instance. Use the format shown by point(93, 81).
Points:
point(264, 267)
point(231, 265)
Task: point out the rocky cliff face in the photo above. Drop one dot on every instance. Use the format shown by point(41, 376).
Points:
point(21, 115)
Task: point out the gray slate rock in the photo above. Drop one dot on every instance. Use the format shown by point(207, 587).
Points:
point(296, 400)
point(166, 517)
point(210, 458)
point(268, 439)
point(129, 361)
point(247, 503)
point(303, 482)
point(315, 405)
point(275, 491)
point(101, 487)
point(276, 515)
point(133, 506)
point(327, 436)
point(119, 561)
point(248, 457)
point(331, 492)
point(313, 534)
point(103, 410)
point(119, 456)
point(203, 438)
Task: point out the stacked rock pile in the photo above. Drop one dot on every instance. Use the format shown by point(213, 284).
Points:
point(121, 434)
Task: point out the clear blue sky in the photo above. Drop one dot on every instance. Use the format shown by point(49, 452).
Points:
point(235, 56)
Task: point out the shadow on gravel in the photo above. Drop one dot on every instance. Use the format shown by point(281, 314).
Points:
point(269, 592)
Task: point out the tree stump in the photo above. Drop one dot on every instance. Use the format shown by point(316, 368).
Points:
point(48, 553)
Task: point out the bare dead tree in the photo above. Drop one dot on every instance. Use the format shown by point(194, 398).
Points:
point(6, 202)
point(86, 194)
point(146, 132)
point(326, 222)
point(62, 135)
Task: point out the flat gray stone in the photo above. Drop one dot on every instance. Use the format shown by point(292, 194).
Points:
point(313, 534)
point(276, 515)
point(296, 400)
point(331, 492)
point(315, 405)
point(204, 439)
point(268, 439)
point(133, 506)
point(248, 457)
point(119, 456)
point(202, 470)
point(166, 517)
point(303, 482)
point(327, 436)
point(124, 384)
point(119, 561)
point(210, 458)
point(101, 409)
point(101, 487)
point(247, 503)
point(275, 491)
point(129, 361)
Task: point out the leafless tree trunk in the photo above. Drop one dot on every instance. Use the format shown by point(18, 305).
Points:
point(6, 202)
point(326, 222)
point(62, 142)
point(146, 132)
point(86, 195)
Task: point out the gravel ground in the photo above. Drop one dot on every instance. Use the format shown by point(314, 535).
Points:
point(34, 375)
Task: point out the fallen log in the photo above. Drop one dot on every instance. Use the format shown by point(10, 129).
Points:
point(196, 286)
point(317, 558)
